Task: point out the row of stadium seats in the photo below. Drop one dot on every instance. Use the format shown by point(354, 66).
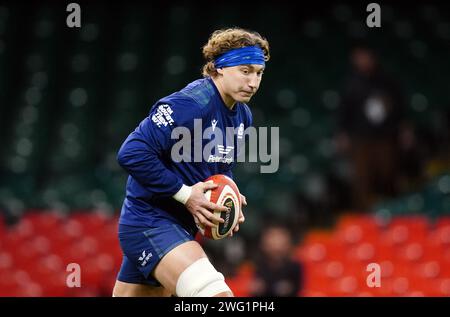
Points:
point(35, 253)
point(412, 253)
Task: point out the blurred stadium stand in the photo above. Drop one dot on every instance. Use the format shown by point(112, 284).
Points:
point(35, 252)
point(413, 254)
point(68, 99)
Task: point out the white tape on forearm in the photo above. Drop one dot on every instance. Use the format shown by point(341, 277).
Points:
point(183, 194)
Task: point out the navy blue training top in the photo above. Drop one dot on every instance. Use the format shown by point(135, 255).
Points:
point(155, 176)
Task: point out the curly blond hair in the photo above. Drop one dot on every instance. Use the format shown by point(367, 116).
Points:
point(223, 40)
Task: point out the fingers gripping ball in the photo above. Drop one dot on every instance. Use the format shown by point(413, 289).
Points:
point(225, 194)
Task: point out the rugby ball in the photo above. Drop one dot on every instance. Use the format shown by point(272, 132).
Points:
point(226, 194)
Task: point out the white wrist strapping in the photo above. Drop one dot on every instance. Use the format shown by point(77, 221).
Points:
point(183, 194)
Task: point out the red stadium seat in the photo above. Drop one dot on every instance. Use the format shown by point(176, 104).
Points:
point(66, 234)
point(441, 287)
point(92, 222)
point(408, 228)
point(6, 260)
point(401, 286)
point(410, 252)
point(48, 265)
point(445, 262)
point(433, 248)
point(429, 270)
point(17, 234)
point(7, 282)
point(30, 251)
point(315, 279)
point(97, 269)
point(326, 270)
point(387, 268)
point(362, 252)
point(345, 286)
point(44, 221)
point(423, 276)
point(12, 281)
point(30, 290)
point(80, 249)
point(314, 252)
point(385, 248)
point(240, 284)
point(354, 229)
point(109, 242)
point(55, 284)
point(441, 231)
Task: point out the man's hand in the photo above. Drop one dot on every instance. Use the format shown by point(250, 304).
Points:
point(201, 208)
point(241, 215)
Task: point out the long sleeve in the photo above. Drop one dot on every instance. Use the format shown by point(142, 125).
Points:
point(143, 152)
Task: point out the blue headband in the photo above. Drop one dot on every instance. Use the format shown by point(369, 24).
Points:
point(241, 56)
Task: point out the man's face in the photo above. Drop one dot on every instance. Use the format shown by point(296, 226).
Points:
point(276, 242)
point(363, 61)
point(241, 82)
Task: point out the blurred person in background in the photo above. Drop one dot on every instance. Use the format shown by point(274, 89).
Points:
point(276, 272)
point(372, 130)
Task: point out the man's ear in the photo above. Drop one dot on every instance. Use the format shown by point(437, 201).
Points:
point(219, 71)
